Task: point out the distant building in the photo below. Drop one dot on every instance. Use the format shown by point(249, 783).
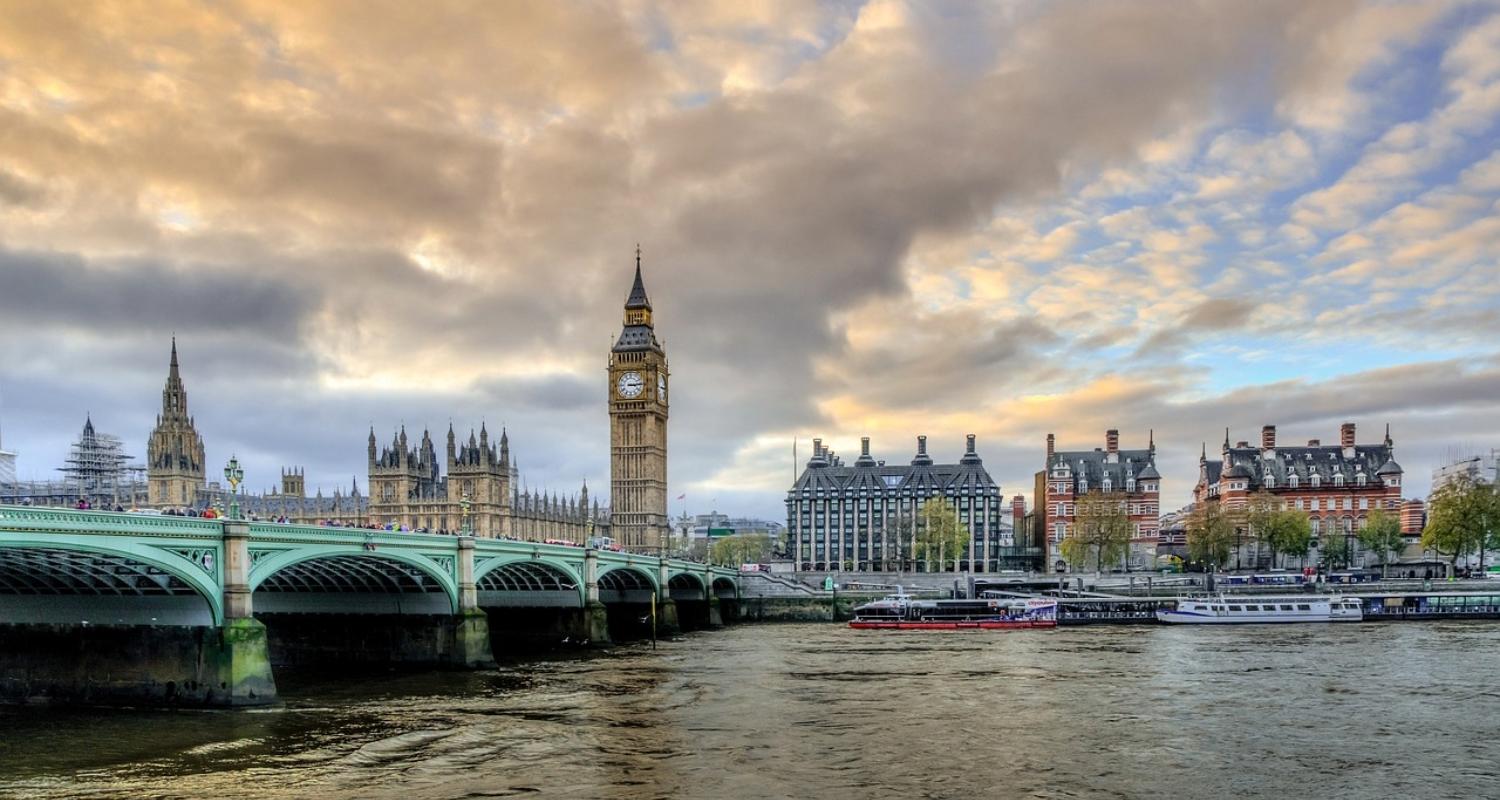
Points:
point(97, 470)
point(859, 516)
point(1337, 485)
point(714, 524)
point(1129, 476)
point(7, 467)
point(1478, 469)
point(410, 488)
point(1413, 517)
point(1171, 533)
point(175, 469)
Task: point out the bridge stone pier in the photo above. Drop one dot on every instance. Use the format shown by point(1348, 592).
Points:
point(105, 608)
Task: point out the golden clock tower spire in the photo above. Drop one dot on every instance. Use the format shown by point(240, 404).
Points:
point(638, 427)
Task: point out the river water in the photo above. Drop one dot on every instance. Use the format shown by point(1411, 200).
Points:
point(1326, 711)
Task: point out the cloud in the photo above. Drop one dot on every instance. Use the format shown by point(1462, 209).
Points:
point(876, 217)
point(1216, 315)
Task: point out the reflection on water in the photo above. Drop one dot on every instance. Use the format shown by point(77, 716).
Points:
point(1335, 711)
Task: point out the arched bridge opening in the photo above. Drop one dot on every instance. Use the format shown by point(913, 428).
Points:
point(691, 597)
point(532, 605)
point(728, 595)
point(62, 586)
point(627, 594)
point(529, 584)
point(361, 608)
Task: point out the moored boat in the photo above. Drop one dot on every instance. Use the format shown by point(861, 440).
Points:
point(1252, 609)
point(902, 612)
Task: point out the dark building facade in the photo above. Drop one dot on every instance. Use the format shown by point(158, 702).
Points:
point(859, 516)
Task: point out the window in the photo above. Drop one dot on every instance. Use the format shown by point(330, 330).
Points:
point(1338, 479)
point(1234, 608)
point(1252, 608)
point(1286, 606)
point(1303, 607)
point(1317, 480)
point(1270, 481)
point(1292, 480)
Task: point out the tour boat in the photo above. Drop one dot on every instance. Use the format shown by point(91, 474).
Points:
point(902, 612)
point(1261, 609)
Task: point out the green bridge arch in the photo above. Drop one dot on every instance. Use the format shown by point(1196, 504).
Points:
point(206, 581)
point(269, 565)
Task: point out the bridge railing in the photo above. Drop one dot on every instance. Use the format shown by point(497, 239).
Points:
point(60, 519)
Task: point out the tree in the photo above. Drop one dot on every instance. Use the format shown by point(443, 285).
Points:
point(939, 533)
point(1460, 519)
point(1101, 530)
point(1382, 536)
point(1336, 550)
point(1291, 533)
point(742, 548)
point(1210, 534)
point(1261, 520)
point(899, 533)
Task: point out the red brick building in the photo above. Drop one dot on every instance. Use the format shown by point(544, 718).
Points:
point(1413, 517)
point(1337, 485)
point(1129, 475)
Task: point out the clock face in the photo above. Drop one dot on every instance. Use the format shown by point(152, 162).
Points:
point(661, 387)
point(631, 385)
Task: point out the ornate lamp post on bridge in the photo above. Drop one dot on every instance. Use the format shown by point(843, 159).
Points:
point(467, 526)
point(233, 474)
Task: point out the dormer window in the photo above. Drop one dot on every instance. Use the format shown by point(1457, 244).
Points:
point(1270, 481)
point(1338, 479)
point(1317, 480)
point(1130, 484)
point(1292, 480)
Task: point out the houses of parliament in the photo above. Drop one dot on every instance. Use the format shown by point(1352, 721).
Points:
point(474, 486)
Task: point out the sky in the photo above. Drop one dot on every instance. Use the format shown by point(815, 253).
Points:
point(857, 219)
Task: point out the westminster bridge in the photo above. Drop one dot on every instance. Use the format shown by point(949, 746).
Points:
point(100, 607)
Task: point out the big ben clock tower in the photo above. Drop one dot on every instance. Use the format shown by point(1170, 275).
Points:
point(638, 378)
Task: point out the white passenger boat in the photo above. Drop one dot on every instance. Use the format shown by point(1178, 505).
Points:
point(1252, 609)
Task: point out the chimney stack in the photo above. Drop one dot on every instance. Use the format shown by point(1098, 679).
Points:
point(1268, 437)
point(970, 449)
point(922, 445)
point(864, 446)
point(1051, 444)
point(817, 448)
point(1018, 519)
point(1346, 434)
point(1112, 440)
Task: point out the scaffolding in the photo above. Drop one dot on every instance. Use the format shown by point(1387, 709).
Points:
point(98, 469)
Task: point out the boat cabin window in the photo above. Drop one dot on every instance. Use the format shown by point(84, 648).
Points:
point(1252, 608)
point(1234, 608)
point(1286, 606)
point(1303, 607)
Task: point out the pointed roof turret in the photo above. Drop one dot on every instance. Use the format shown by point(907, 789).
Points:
point(638, 298)
point(172, 368)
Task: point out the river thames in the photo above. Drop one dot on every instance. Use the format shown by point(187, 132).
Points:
point(1329, 711)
